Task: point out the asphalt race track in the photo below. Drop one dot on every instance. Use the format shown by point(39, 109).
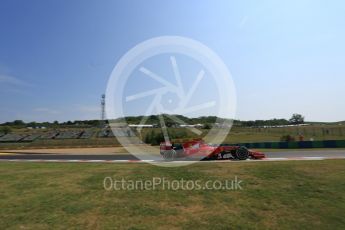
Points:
point(280, 155)
point(306, 153)
point(68, 157)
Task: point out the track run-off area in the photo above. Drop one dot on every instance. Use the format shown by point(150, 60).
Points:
point(295, 155)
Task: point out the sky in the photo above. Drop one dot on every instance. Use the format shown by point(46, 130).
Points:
point(285, 57)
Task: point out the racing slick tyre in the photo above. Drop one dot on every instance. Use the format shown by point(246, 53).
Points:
point(166, 155)
point(242, 153)
point(169, 155)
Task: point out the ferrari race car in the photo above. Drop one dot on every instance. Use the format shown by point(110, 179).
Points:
point(199, 149)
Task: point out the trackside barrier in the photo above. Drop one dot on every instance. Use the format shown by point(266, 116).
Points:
point(294, 144)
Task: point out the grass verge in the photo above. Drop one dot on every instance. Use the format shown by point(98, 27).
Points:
point(275, 195)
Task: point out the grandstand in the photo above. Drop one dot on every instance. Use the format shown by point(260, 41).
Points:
point(31, 138)
point(87, 134)
point(65, 134)
point(123, 132)
point(110, 134)
point(12, 138)
point(118, 131)
point(69, 135)
point(49, 135)
point(104, 133)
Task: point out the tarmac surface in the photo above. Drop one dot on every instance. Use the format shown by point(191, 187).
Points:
point(306, 153)
point(310, 154)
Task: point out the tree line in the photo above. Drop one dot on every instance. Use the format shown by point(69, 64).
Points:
point(207, 121)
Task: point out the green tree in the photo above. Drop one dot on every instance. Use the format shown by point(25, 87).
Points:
point(148, 137)
point(18, 123)
point(207, 126)
point(157, 138)
point(32, 124)
point(5, 130)
point(296, 119)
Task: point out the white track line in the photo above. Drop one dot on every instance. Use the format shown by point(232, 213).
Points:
point(145, 161)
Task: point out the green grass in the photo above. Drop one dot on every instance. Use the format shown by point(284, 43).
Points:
point(247, 135)
point(317, 132)
point(275, 195)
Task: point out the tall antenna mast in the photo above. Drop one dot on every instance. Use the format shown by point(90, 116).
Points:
point(102, 110)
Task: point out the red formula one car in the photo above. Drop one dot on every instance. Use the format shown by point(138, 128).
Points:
point(199, 149)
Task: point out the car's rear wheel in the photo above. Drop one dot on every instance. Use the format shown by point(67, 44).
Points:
point(166, 154)
point(242, 153)
point(169, 155)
